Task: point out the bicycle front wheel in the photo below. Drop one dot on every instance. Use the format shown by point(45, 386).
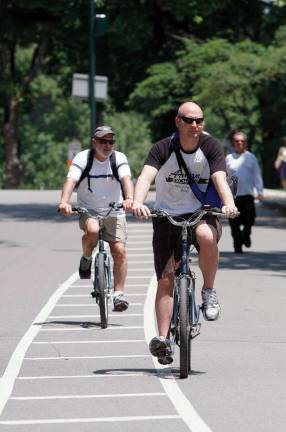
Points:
point(184, 323)
point(101, 291)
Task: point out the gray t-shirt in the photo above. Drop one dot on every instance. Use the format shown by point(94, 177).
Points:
point(173, 192)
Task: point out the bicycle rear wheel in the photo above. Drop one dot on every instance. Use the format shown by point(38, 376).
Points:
point(184, 323)
point(101, 291)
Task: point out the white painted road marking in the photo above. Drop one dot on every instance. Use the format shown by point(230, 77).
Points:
point(62, 329)
point(86, 357)
point(177, 397)
point(90, 396)
point(89, 420)
point(90, 342)
point(109, 375)
point(8, 379)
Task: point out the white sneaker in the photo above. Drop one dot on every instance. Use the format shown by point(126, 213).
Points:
point(210, 306)
point(120, 302)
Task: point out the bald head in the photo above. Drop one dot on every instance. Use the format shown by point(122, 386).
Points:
point(191, 109)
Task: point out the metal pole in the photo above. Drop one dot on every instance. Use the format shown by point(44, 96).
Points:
point(92, 102)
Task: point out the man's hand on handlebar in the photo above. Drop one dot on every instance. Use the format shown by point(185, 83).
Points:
point(65, 209)
point(230, 211)
point(128, 204)
point(141, 211)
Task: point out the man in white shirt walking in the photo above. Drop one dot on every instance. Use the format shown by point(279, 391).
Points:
point(244, 165)
point(95, 190)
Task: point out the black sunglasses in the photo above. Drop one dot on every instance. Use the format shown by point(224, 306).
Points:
point(105, 141)
point(190, 120)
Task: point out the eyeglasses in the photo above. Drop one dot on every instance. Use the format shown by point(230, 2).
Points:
point(190, 120)
point(105, 141)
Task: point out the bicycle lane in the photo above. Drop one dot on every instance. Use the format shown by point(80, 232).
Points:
point(62, 381)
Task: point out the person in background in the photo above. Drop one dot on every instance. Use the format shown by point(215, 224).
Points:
point(244, 165)
point(280, 164)
point(95, 192)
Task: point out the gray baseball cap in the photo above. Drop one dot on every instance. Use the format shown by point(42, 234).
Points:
point(101, 131)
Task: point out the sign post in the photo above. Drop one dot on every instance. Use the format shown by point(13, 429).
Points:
point(74, 147)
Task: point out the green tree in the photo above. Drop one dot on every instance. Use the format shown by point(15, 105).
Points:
point(35, 36)
point(133, 136)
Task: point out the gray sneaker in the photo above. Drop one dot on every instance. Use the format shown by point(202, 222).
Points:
point(210, 306)
point(120, 302)
point(162, 349)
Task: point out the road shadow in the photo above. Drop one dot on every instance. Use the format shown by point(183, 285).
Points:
point(32, 212)
point(43, 212)
point(268, 261)
point(166, 373)
point(83, 324)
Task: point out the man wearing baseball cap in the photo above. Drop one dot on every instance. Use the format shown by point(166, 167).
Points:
point(95, 190)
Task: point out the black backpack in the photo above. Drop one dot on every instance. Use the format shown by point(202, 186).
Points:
point(88, 166)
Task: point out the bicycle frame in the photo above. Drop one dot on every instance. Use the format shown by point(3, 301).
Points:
point(185, 323)
point(186, 272)
point(102, 283)
point(107, 265)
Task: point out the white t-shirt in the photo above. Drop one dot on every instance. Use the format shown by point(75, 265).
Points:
point(246, 168)
point(104, 188)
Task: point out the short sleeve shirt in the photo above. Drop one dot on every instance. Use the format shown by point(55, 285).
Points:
point(173, 192)
point(104, 187)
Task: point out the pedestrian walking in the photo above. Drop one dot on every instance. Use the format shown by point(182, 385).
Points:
point(244, 165)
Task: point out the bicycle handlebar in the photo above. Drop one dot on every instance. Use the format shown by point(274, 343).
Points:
point(112, 205)
point(194, 218)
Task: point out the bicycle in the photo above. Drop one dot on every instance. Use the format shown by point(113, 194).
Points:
point(185, 325)
point(102, 280)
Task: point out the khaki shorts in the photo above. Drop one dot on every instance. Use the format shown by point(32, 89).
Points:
point(114, 228)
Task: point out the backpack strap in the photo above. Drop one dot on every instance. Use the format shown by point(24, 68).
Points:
point(182, 165)
point(87, 168)
point(85, 172)
point(114, 169)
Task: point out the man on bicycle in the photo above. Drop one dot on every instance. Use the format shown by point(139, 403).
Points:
point(95, 192)
point(204, 158)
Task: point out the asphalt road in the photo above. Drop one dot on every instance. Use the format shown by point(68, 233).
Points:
point(60, 371)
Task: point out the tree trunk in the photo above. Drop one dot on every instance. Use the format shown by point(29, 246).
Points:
point(13, 168)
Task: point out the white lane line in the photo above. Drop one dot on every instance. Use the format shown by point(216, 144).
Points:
point(88, 304)
point(89, 341)
point(92, 316)
point(182, 405)
point(86, 357)
point(143, 248)
point(88, 295)
point(126, 285)
point(8, 379)
point(89, 329)
point(96, 396)
point(51, 377)
point(137, 255)
point(89, 420)
point(139, 277)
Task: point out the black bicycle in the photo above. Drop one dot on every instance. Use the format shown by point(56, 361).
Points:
point(185, 325)
point(102, 280)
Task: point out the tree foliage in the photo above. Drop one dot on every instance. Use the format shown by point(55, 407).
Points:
point(228, 55)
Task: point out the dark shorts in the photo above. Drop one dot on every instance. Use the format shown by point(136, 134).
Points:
point(167, 244)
